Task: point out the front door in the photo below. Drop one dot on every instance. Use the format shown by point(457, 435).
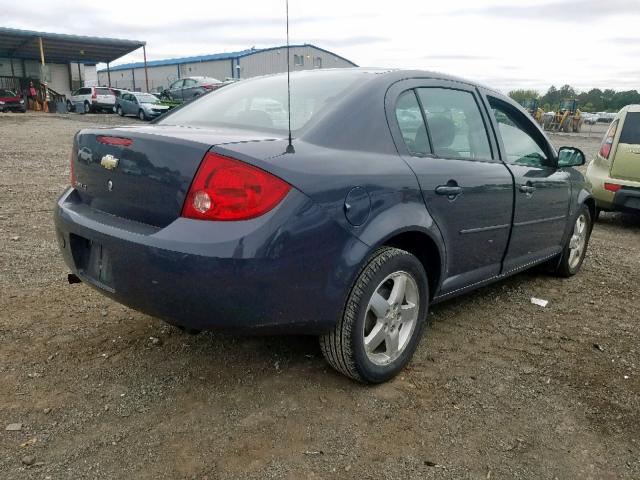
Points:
point(468, 191)
point(542, 191)
point(175, 90)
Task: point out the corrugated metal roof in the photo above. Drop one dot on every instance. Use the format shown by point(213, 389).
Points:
point(63, 48)
point(212, 57)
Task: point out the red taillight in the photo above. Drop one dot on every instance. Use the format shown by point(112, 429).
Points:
point(228, 189)
point(605, 149)
point(120, 141)
point(607, 143)
point(93, 93)
point(612, 187)
point(72, 172)
point(209, 86)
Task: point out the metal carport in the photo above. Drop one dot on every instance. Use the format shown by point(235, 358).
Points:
point(62, 48)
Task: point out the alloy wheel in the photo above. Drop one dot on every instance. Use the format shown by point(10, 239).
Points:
point(391, 318)
point(578, 241)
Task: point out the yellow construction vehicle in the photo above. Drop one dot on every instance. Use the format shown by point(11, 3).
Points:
point(567, 119)
point(531, 106)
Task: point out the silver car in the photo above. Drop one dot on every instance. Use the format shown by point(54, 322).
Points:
point(143, 105)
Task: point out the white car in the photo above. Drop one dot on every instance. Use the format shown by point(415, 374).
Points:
point(590, 118)
point(93, 99)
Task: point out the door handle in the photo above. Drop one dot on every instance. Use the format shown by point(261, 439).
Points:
point(449, 190)
point(527, 188)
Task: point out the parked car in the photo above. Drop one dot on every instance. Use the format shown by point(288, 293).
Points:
point(143, 105)
point(590, 118)
point(93, 99)
point(11, 101)
point(350, 231)
point(185, 89)
point(117, 92)
point(614, 173)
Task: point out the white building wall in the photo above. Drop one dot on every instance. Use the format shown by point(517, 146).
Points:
point(275, 61)
point(259, 63)
point(60, 78)
point(220, 69)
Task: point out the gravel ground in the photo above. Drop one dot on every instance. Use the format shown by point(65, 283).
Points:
point(499, 388)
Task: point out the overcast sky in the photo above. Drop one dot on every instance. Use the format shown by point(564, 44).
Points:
point(503, 43)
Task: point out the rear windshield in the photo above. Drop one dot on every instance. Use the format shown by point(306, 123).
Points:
point(6, 93)
point(103, 91)
point(631, 129)
point(261, 103)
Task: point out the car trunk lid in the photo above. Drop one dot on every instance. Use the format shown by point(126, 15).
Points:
point(626, 162)
point(143, 173)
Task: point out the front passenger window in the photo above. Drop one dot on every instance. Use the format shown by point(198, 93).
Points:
point(519, 145)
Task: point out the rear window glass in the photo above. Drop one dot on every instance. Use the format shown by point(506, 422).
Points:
point(6, 93)
point(103, 91)
point(261, 103)
point(411, 124)
point(631, 129)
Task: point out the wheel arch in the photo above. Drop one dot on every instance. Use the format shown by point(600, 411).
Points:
point(428, 250)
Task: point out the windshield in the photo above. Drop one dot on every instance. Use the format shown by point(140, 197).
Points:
point(6, 93)
point(262, 102)
point(147, 98)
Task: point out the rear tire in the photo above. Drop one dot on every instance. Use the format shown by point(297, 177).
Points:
point(87, 107)
point(387, 306)
point(575, 248)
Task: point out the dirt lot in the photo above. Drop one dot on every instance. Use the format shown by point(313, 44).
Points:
point(499, 388)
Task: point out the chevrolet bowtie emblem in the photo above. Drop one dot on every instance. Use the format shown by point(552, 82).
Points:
point(109, 162)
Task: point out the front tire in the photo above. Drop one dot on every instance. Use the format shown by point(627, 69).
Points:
point(142, 116)
point(120, 111)
point(575, 248)
point(383, 318)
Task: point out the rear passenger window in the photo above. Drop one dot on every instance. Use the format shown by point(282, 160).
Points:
point(631, 129)
point(411, 124)
point(455, 124)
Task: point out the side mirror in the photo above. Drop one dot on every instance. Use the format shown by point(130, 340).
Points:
point(570, 157)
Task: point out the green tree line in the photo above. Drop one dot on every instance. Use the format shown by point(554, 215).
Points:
point(595, 100)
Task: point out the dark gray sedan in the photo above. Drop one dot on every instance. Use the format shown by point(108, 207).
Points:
point(395, 190)
point(185, 89)
point(143, 105)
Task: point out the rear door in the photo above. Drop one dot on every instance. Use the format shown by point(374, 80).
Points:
point(189, 89)
point(125, 103)
point(542, 191)
point(626, 161)
point(467, 190)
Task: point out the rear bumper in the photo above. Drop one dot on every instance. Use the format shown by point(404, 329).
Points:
point(101, 105)
point(286, 272)
point(627, 200)
point(14, 107)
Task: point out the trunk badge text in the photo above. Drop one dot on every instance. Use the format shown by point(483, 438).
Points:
point(109, 162)
point(110, 185)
